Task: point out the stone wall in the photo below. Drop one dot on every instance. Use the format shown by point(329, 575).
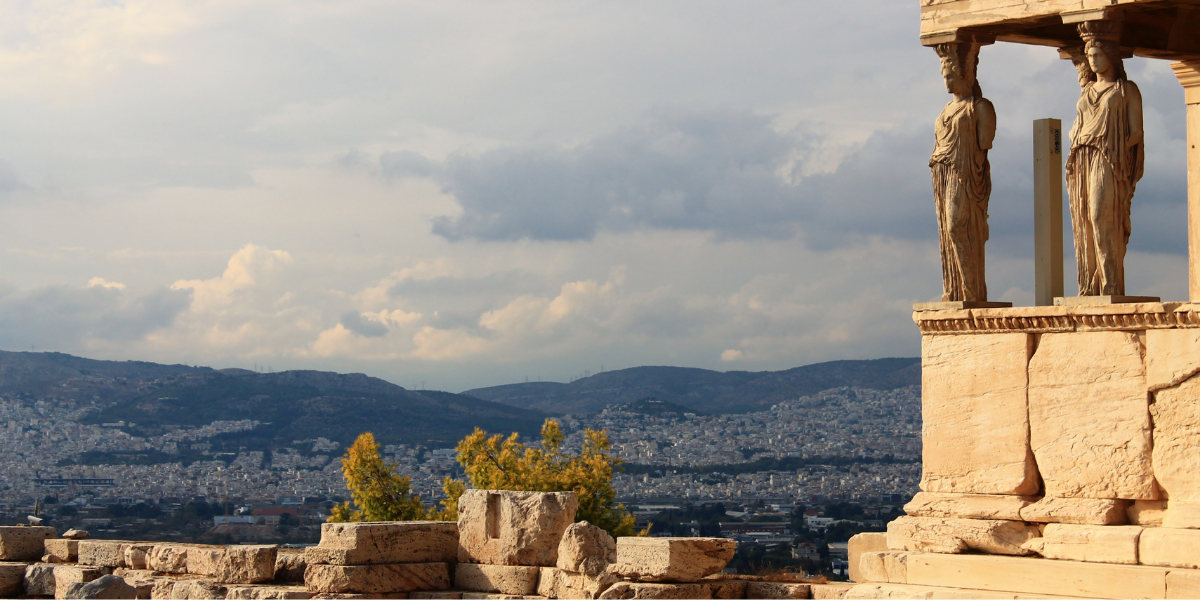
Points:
point(1061, 447)
point(506, 544)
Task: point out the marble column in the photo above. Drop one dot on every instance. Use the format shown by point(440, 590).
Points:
point(1188, 73)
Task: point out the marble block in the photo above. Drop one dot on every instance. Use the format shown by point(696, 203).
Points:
point(976, 429)
point(1089, 416)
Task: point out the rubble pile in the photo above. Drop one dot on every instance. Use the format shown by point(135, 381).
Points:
point(505, 544)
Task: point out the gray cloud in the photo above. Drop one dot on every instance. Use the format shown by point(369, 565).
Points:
point(406, 163)
point(363, 326)
point(712, 171)
point(65, 317)
point(720, 172)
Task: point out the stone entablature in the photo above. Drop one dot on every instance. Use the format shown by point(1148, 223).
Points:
point(1060, 319)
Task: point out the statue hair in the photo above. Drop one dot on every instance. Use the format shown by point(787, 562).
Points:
point(1106, 36)
point(963, 57)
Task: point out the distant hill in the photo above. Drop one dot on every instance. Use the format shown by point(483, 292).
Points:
point(294, 404)
point(704, 390)
point(51, 374)
point(310, 404)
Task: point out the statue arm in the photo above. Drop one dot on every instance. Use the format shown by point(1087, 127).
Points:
point(1134, 101)
point(986, 127)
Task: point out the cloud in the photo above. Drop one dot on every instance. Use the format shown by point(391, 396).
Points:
point(100, 282)
point(91, 317)
point(248, 266)
point(718, 171)
point(360, 324)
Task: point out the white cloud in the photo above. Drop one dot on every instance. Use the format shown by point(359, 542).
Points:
point(691, 182)
point(100, 282)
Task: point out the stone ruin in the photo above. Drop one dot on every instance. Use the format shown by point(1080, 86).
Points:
point(1061, 442)
point(505, 544)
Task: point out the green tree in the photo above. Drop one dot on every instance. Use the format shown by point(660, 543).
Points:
point(379, 493)
point(499, 463)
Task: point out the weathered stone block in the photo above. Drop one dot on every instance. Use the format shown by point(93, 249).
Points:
point(555, 583)
point(1036, 576)
point(627, 590)
point(63, 549)
point(246, 564)
point(107, 586)
point(726, 588)
point(142, 580)
point(586, 548)
point(771, 589)
point(267, 592)
point(1092, 543)
point(1168, 547)
point(862, 543)
point(202, 560)
point(975, 428)
point(65, 575)
point(952, 536)
point(671, 559)
point(168, 559)
point(137, 556)
point(24, 543)
point(383, 543)
point(829, 591)
point(503, 579)
point(1176, 417)
point(883, 567)
point(1183, 584)
point(39, 580)
point(1149, 513)
point(103, 553)
point(162, 588)
point(289, 565)
point(1078, 511)
point(196, 589)
point(442, 595)
point(1172, 356)
point(375, 579)
point(899, 591)
point(1089, 416)
point(502, 527)
point(968, 506)
point(12, 578)
point(1182, 514)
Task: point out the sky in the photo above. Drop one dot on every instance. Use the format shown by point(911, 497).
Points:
point(451, 194)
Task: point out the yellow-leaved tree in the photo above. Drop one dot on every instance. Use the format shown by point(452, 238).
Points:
point(491, 463)
point(499, 463)
point(381, 494)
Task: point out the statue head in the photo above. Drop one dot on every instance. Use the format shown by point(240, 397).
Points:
point(960, 62)
point(1102, 49)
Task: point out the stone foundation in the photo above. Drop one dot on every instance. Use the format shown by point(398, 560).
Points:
point(1111, 397)
point(554, 558)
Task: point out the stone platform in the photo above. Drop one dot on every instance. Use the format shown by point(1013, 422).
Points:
point(1060, 450)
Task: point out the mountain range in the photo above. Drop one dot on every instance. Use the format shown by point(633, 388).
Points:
point(295, 405)
point(703, 390)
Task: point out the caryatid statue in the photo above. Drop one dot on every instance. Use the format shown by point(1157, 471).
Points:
point(962, 178)
point(1106, 160)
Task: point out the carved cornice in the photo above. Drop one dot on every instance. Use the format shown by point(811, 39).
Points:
point(1188, 73)
point(1057, 319)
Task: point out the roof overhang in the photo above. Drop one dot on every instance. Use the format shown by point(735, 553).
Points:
point(1167, 29)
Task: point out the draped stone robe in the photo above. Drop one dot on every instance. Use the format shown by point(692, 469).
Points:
point(1101, 177)
point(962, 185)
